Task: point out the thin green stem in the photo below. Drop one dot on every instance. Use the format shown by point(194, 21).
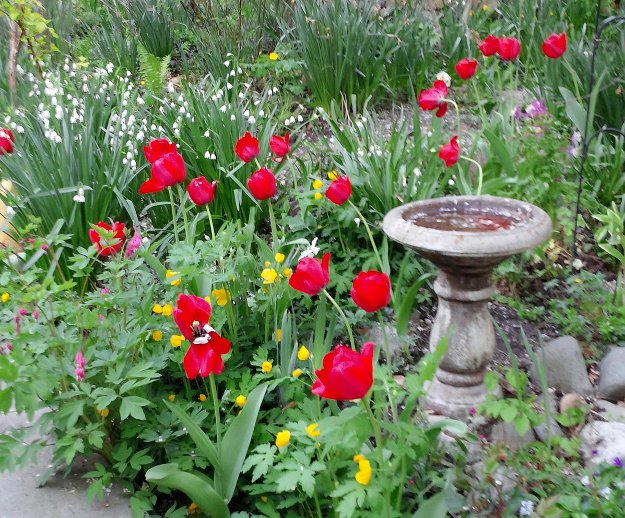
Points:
point(455, 105)
point(479, 101)
point(173, 214)
point(274, 229)
point(213, 387)
point(387, 348)
point(182, 195)
point(293, 169)
point(344, 317)
point(210, 221)
point(480, 176)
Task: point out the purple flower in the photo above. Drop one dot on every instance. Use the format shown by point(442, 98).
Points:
point(134, 244)
point(535, 108)
point(618, 462)
point(594, 451)
point(517, 113)
point(576, 140)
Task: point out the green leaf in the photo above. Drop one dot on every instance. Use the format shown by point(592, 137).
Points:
point(6, 398)
point(237, 439)
point(8, 370)
point(405, 308)
point(522, 424)
point(500, 150)
point(131, 405)
point(434, 507)
point(508, 413)
point(196, 488)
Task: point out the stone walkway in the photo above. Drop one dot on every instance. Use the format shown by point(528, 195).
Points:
point(61, 497)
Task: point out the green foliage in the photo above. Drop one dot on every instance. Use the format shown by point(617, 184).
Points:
point(153, 69)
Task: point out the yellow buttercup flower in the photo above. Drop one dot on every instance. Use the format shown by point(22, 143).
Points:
point(221, 296)
point(313, 430)
point(484, 8)
point(157, 308)
point(303, 354)
point(278, 334)
point(317, 184)
point(283, 438)
point(287, 272)
point(157, 336)
point(279, 258)
point(176, 340)
point(269, 275)
point(5, 297)
point(318, 196)
point(364, 472)
point(171, 397)
point(240, 400)
point(202, 397)
point(333, 175)
point(208, 299)
point(296, 373)
point(358, 457)
point(266, 367)
point(167, 310)
point(273, 56)
point(104, 412)
point(267, 264)
point(169, 274)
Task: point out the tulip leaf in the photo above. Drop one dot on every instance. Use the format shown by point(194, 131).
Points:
point(405, 308)
point(202, 441)
point(237, 440)
point(197, 488)
point(499, 149)
point(434, 507)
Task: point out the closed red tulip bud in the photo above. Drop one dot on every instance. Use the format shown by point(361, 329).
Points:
point(6, 141)
point(201, 191)
point(280, 145)
point(346, 374)
point(554, 46)
point(371, 290)
point(104, 246)
point(450, 152)
point(509, 48)
point(262, 184)
point(247, 148)
point(157, 148)
point(339, 190)
point(489, 46)
point(465, 68)
point(434, 98)
point(311, 275)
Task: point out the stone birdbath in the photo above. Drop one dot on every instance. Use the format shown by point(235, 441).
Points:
point(466, 237)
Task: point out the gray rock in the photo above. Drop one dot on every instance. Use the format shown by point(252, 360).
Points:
point(376, 335)
point(564, 366)
point(507, 434)
point(610, 411)
point(550, 427)
point(612, 374)
point(606, 440)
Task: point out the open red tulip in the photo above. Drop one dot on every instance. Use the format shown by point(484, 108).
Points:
point(509, 48)
point(280, 145)
point(6, 141)
point(371, 290)
point(111, 246)
point(466, 67)
point(346, 374)
point(168, 170)
point(247, 148)
point(262, 184)
point(311, 275)
point(449, 153)
point(489, 46)
point(434, 98)
point(554, 46)
point(157, 148)
point(201, 191)
point(339, 190)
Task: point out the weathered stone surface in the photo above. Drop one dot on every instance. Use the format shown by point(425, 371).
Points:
point(506, 433)
point(570, 400)
point(376, 335)
point(611, 412)
point(550, 428)
point(564, 366)
point(603, 442)
point(612, 375)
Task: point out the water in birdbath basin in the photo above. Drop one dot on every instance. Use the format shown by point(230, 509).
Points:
point(452, 220)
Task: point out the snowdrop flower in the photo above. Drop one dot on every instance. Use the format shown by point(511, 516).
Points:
point(228, 86)
point(239, 71)
point(110, 67)
point(605, 492)
point(311, 251)
point(444, 76)
point(585, 481)
point(232, 73)
point(223, 109)
point(233, 117)
point(10, 211)
point(577, 264)
point(80, 196)
point(357, 221)
point(251, 120)
point(227, 63)
point(261, 113)
point(300, 118)
point(526, 508)
point(207, 133)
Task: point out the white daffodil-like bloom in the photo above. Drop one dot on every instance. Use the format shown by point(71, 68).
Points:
point(311, 251)
point(444, 76)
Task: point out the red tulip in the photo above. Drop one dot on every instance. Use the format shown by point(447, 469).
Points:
point(466, 67)
point(371, 290)
point(157, 148)
point(167, 170)
point(339, 190)
point(201, 191)
point(280, 145)
point(204, 356)
point(311, 275)
point(112, 245)
point(450, 152)
point(247, 147)
point(346, 374)
point(509, 48)
point(555, 45)
point(262, 184)
point(434, 98)
point(489, 46)
point(6, 141)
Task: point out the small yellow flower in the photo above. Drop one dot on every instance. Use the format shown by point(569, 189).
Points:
point(358, 457)
point(333, 175)
point(157, 308)
point(471, 12)
point(283, 438)
point(279, 258)
point(176, 340)
point(142, 82)
point(240, 400)
point(578, 280)
point(208, 299)
point(267, 264)
point(273, 56)
point(266, 367)
point(484, 8)
point(296, 373)
point(278, 335)
point(313, 430)
point(550, 13)
point(171, 397)
point(104, 412)
point(221, 296)
point(202, 397)
point(264, 499)
point(303, 354)
point(169, 274)
point(364, 472)
point(157, 336)
point(317, 184)
point(318, 196)
point(269, 275)
point(167, 310)
point(287, 272)
point(193, 508)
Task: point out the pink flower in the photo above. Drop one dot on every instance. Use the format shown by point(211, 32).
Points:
point(80, 363)
point(134, 244)
point(35, 314)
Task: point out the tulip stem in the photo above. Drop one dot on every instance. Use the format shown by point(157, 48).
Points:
point(344, 317)
point(274, 229)
point(213, 386)
point(387, 348)
point(210, 221)
point(455, 105)
point(181, 195)
point(480, 175)
point(174, 216)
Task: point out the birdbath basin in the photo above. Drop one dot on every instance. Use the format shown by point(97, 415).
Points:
point(465, 237)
